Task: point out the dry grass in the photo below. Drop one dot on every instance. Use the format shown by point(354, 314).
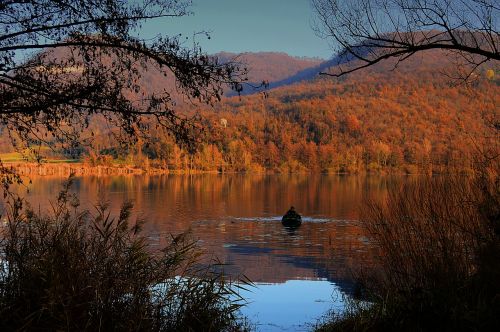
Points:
point(72, 270)
point(429, 233)
point(439, 258)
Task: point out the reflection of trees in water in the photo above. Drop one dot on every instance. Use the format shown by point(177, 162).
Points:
point(212, 196)
point(207, 204)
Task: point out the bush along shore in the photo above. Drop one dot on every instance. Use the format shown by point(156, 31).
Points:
point(78, 168)
point(65, 169)
point(439, 258)
point(79, 271)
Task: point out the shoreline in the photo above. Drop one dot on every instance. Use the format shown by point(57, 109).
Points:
point(81, 169)
point(64, 169)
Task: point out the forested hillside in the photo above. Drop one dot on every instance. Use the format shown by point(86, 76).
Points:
point(412, 119)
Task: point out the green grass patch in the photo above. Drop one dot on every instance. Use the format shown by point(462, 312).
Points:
point(12, 157)
point(62, 161)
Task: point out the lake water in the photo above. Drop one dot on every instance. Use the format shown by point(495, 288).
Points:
point(299, 274)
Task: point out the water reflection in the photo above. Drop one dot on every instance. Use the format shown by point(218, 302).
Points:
point(237, 218)
point(293, 305)
point(265, 251)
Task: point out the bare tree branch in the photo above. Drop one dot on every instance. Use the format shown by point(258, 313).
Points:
point(375, 30)
point(64, 62)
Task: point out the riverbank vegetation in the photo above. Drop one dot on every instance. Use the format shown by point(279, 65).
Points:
point(439, 258)
point(78, 270)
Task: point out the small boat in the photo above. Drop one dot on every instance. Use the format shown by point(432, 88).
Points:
point(291, 218)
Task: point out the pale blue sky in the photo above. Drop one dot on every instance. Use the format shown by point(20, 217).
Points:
point(248, 25)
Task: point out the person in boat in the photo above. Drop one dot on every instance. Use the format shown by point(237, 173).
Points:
point(291, 217)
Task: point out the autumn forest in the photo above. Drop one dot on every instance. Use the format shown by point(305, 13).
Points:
point(383, 120)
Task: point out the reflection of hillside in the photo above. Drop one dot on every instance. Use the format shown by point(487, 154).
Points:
point(210, 206)
point(265, 252)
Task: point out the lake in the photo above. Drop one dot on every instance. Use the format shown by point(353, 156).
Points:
point(299, 274)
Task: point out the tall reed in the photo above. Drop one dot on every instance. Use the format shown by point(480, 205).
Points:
point(438, 253)
point(73, 270)
point(429, 233)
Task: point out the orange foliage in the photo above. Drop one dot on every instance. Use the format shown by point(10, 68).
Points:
point(378, 121)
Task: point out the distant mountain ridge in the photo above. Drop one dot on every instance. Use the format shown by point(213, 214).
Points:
point(269, 66)
point(427, 61)
point(280, 70)
point(262, 66)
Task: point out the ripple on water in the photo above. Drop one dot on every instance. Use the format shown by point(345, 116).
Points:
point(278, 219)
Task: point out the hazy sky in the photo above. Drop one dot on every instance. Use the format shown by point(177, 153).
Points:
point(249, 25)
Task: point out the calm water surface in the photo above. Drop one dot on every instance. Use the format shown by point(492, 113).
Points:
point(300, 274)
